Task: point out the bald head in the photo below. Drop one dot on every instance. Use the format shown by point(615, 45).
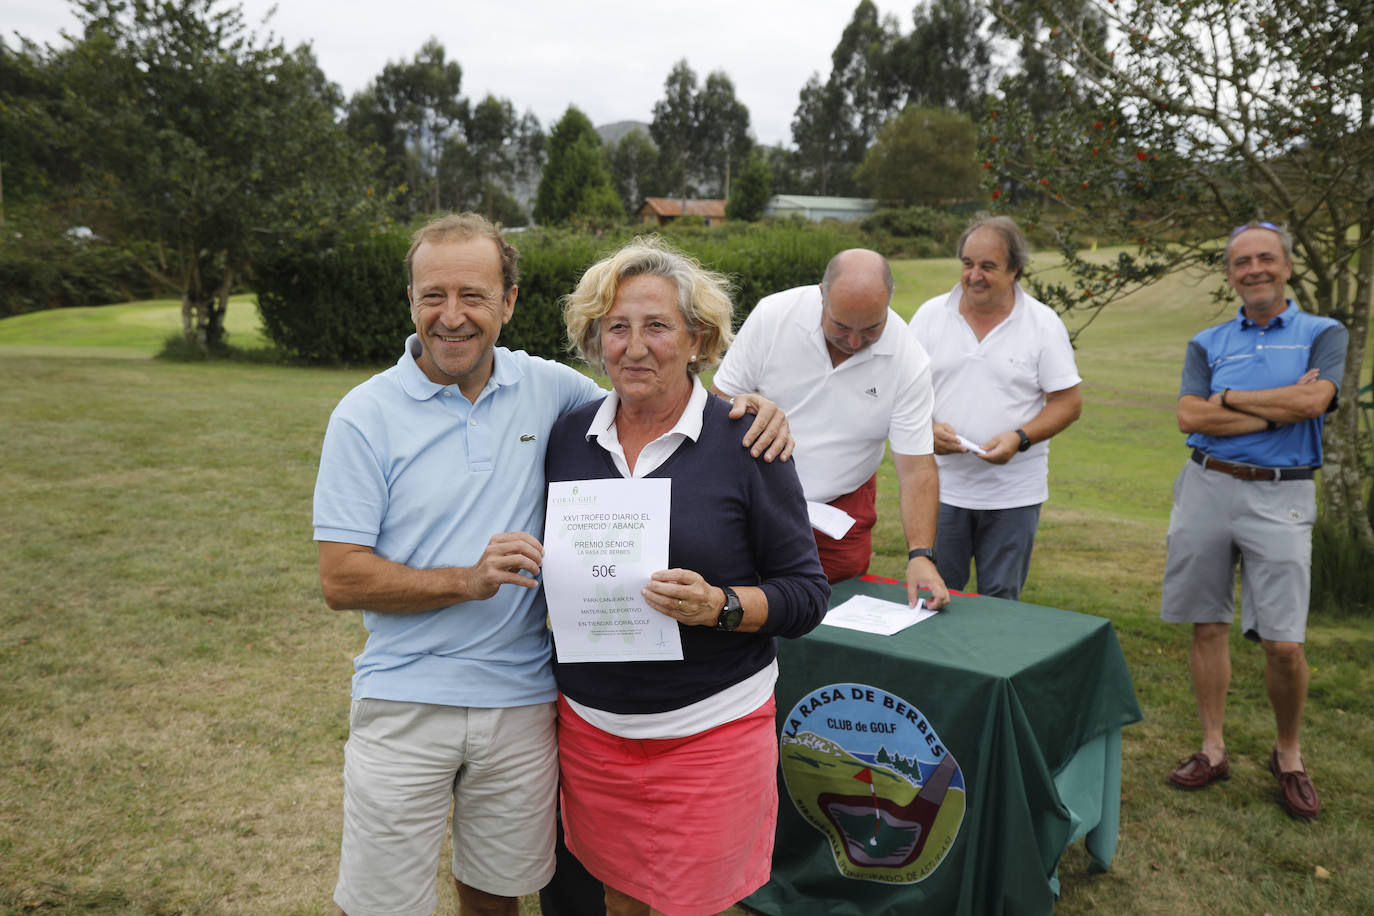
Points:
point(855, 293)
point(858, 264)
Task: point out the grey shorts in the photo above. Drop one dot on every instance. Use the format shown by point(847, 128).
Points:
point(407, 764)
point(1218, 522)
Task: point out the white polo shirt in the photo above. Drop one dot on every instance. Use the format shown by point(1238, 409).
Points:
point(991, 386)
point(840, 415)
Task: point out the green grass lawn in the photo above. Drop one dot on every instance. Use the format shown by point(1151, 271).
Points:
point(175, 698)
point(136, 330)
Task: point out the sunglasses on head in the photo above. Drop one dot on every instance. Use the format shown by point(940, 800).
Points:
point(1260, 225)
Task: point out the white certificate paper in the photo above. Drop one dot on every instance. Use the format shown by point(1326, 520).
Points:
point(602, 541)
point(873, 615)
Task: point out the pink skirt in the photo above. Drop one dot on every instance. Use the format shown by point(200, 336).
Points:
point(682, 824)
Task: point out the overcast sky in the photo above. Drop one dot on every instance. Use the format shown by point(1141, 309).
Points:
point(608, 57)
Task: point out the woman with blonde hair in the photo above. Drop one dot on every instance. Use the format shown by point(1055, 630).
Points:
point(668, 768)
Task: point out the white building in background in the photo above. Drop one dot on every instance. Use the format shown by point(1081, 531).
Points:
point(845, 209)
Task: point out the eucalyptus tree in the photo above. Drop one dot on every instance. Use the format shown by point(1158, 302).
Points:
point(701, 131)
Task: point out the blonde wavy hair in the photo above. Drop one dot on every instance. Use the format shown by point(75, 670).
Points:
point(703, 298)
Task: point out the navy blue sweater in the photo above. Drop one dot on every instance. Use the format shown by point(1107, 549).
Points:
point(736, 520)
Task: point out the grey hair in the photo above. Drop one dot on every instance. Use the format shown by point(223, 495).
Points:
point(1018, 249)
point(1285, 238)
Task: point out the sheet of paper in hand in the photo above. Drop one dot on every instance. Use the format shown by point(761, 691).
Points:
point(602, 541)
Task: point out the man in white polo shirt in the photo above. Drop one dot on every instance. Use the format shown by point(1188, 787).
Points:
point(1005, 383)
point(838, 361)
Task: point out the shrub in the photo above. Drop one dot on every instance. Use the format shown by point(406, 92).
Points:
point(551, 263)
point(337, 300)
point(766, 257)
point(1342, 573)
point(44, 266)
point(343, 300)
point(915, 232)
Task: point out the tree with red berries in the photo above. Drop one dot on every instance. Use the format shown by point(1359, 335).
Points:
point(1189, 119)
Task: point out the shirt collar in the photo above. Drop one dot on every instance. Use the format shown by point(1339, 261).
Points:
point(1282, 319)
point(419, 386)
point(689, 424)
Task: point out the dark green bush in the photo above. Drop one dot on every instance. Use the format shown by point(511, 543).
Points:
point(1342, 573)
point(915, 232)
point(769, 256)
point(336, 300)
point(909, 222)
point(343, 300)
point(44, 267)
point(551, 263)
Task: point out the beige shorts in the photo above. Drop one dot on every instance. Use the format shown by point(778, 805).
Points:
point(406, 764)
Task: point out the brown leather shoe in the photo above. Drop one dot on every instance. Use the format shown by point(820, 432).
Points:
point(1197, 771)
point(1296, 792)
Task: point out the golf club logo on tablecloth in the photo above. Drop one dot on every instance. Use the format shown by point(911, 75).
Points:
point(866, 769)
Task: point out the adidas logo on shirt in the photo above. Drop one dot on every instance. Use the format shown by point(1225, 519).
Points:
point(871, 392)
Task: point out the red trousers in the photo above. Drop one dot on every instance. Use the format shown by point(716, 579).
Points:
point(848, 557)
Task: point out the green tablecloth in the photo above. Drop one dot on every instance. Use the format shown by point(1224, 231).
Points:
point(946, 768)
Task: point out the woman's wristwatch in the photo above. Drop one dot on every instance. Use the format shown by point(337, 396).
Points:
point(732, 615)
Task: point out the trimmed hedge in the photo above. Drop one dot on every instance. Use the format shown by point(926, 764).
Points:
point(343, 301)
point(336, 301)
point(551, 263)
point(764, 258)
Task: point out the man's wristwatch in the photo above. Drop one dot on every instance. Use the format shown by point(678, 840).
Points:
point(927, 552)
point(1025, 440)
point(732, 615)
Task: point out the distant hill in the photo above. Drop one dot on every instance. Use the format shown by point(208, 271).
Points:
point(611, 133)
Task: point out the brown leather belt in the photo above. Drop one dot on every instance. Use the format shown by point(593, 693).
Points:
point(1250, 471)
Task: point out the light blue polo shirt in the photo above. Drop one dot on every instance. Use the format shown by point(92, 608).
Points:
point(1242, 355)
point(415, 471)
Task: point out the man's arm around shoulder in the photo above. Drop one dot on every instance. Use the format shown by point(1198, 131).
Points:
point(769, 436)
point(354, 577)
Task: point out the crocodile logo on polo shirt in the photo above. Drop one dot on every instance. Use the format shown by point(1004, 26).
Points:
point(527, 438)
point(866, 769)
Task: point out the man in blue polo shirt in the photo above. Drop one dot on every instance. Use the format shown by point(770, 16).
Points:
point(428, 503)
point(1253, 400)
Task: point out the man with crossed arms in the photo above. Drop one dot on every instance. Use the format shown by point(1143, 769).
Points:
point(840, 363)
point(1253, 400)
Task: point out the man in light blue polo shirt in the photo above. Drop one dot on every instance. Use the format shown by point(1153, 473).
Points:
point(428, 503)
point(1254, 397)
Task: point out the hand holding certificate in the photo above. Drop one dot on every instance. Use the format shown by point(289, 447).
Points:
point(603, 539)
